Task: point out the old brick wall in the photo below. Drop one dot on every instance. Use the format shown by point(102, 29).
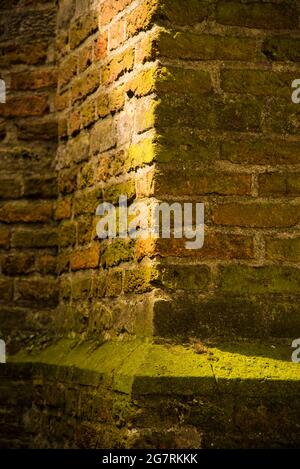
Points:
point(229, 137)
point(28, 237)
point(104, 88)
point(160, 101)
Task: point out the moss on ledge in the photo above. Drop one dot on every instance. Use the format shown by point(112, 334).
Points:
point(141, 367)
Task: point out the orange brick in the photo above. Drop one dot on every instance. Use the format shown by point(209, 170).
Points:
point(116, 34)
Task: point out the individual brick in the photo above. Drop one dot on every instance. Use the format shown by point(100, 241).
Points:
point(191, 46)
point(103, 136)
point(261, 151)
point(257, 15)
point(40, 187)
point(108, 10)
point(201, 183)
point(116, 34)
point(86, 201)
point(35, 237)
point(85, 84)
point(33, 80)
point(10, 188)
point(256, 215)
point(4, 237)
point(6, 290)
point(82, 27)
point(141, 17)
point(87, 258)
point(283, 249)
point(257, 82)
point(67, 234)
point(39, 291)
point(282, 48)
point(25, 106)
point(101, 46)
point(117, 66)
point(259, 280)
point(26, 212)
point(18, 264)
point(279, 184)
point(221, 246)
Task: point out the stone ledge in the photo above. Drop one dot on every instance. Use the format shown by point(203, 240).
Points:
point(143, 368)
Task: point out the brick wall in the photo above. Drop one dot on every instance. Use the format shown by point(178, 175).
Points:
point(153, 103)
point(28, 237)
point(160, 100)
point(229, 136)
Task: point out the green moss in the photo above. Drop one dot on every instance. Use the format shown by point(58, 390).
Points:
point(145, 368)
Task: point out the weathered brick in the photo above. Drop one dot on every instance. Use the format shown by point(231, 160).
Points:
point(45, 128)
point(85, 57)
point(281, 48)
point(101, 46)
point(63, 209)
point(87, 201)
point(257, 82)
point(67, 234)
point(103, 136)
point(116, 34)
point(37, 291)
point(87, 258)
point(141, 17)
point(33, 80)
point(117, 251)
point(85, 84)
point(194, 11)
point(184, 277)
point(113, 283)
point(40, 187)
point(261, 151)
point(6, 290)
point(257, 15)
point(256, 215)
point(20, 263)
point(26, 211)
point(82, 27)
point(81, 286)
point(86, 229)
point(201, 183)
point(68, 70)
point(118, 65)
point(283, 249)
point(282, 117)
point(191, 46)
point(4, 237)
point(109, 103)
point(221, 246)
point(88, 113)
point(108, 10)
point(24, 106)
point(67, 180)
point(47, 264)
point(30, 54)
point(10, 188)
point(139, 279)
point(240, 115)
point(279, 184)
point(114, 191)
point(259, 280)
point(35, 238)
